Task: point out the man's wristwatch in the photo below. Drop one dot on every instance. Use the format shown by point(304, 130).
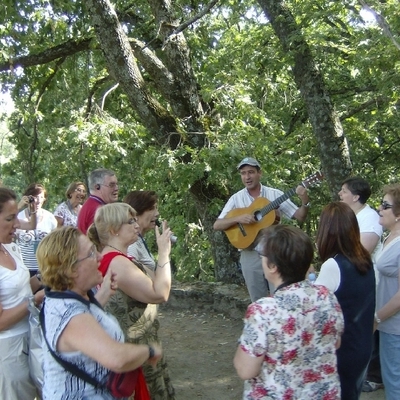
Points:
point(151, 352)
point(307, 205)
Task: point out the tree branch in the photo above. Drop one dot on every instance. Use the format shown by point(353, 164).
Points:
point(92, 91)
point(376, 101)
point(192, 20)
point(62, 50)
point(123, 67)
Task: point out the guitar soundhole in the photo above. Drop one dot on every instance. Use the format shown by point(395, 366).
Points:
point(258, 216)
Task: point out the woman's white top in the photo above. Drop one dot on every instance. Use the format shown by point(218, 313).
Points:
point(14, 288)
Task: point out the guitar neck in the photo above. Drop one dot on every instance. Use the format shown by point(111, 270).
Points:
point(277, 202)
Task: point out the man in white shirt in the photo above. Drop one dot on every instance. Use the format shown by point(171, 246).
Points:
point(250, 173)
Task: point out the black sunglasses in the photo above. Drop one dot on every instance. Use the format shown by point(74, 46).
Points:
point(385, 205)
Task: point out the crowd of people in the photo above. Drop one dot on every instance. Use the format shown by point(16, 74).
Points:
point(99, 306)
point(90, 270)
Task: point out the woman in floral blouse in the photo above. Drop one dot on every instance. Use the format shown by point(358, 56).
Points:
point(67, 212)
point(288, 346)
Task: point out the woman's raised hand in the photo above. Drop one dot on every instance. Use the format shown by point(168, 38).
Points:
point(163, 238)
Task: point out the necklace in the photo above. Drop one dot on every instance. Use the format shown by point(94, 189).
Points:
point(109, 245)
point(4, 250)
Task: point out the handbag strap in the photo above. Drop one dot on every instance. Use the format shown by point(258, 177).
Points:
point(72, 368)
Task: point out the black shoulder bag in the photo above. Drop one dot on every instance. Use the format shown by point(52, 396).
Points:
point(119, 385)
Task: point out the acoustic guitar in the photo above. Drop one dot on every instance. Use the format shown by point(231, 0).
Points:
point(242, 236)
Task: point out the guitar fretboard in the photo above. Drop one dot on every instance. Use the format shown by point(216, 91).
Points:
point(277, 202)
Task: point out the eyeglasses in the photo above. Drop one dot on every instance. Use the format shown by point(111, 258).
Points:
point(83, 191)
point(112, 185)
point(132, 221)
point(385, 205)
point(92, 254)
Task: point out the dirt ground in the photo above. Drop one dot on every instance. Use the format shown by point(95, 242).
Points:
point(199, 348)
point(199, 345)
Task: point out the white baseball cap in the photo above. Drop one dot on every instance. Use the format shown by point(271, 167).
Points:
point(249, 161)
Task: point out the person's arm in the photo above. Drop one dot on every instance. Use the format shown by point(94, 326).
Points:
point(247, 366)
point(251, 350)
point(31, 222)
point(222, 224)
point(23, 203)
point(60, 221)
point(301, 213)
point(10, 316)
point(29, 225)
point(133, 282)
point(392, 307)
point(107, 288)
point(83, 333)
point(329, 275)
point(369, 240)
point(35, 284)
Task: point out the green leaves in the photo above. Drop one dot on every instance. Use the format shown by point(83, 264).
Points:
point(240, 100)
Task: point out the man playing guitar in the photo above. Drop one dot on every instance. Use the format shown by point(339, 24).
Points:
point(250, 172)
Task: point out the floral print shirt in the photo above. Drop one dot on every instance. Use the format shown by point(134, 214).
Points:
point(296, 332)
point(69, 217)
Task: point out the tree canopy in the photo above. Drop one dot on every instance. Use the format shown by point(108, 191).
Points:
point(172, 94)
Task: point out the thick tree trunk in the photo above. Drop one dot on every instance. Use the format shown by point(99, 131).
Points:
point(332, 143)
point(123, 67)
point(225, 256)
point(183, 98)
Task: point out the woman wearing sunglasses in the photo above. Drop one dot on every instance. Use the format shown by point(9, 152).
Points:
point(134, 305)
point(387, 316)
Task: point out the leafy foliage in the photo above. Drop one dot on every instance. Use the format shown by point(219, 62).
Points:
point(71, 117)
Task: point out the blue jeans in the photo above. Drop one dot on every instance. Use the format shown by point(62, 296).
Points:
point(389, 347)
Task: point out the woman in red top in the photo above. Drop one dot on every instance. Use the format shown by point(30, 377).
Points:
point(134, 305)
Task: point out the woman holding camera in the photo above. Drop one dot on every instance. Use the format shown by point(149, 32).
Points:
point(28, 240)
point(134, 305)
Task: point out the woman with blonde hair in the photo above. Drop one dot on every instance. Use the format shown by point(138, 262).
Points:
point(134, 305)
point(76, 328)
